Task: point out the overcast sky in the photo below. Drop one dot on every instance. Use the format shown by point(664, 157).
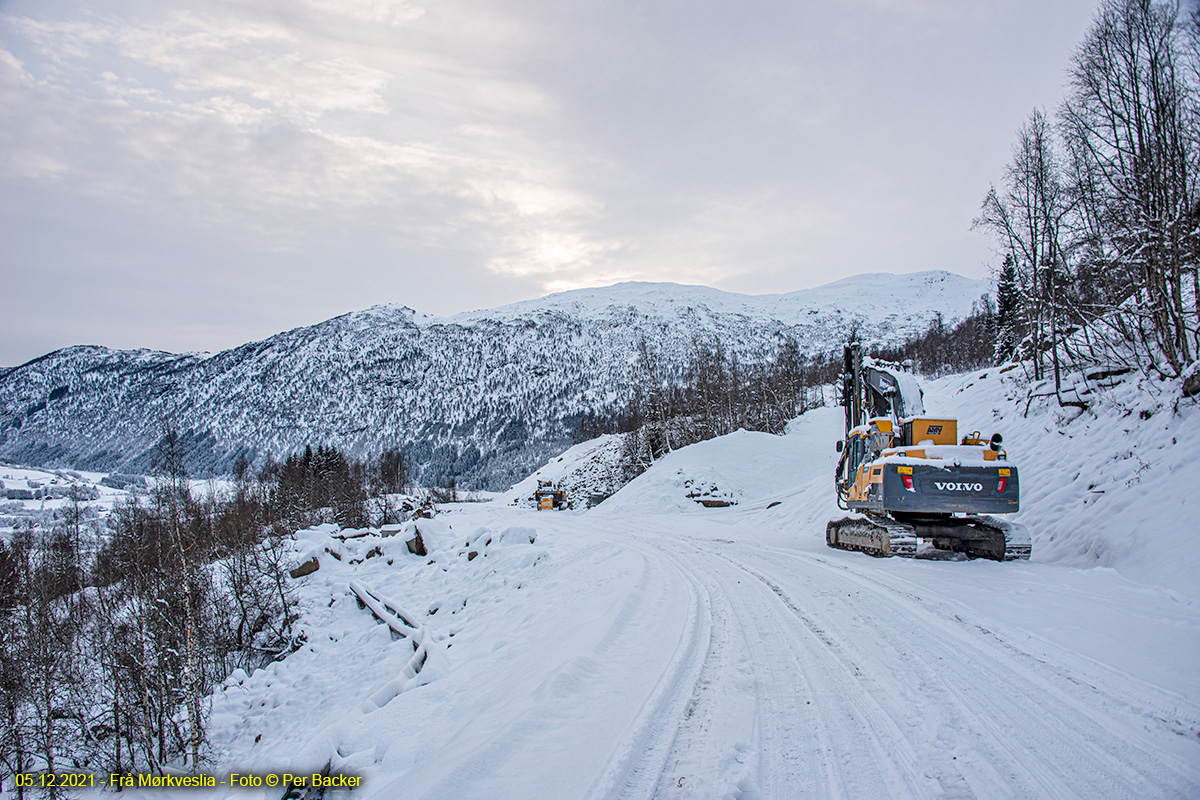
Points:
point(195, 178)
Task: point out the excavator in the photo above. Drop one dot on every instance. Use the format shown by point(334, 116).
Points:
point(905, 477)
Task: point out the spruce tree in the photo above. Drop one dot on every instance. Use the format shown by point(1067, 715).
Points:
point(1008, 301)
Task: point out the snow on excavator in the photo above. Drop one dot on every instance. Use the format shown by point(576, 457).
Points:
point(549, 497)
point(907, 477)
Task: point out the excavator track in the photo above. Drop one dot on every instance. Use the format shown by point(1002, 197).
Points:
point(978, 537)
point(872, 534)
point(997, 539)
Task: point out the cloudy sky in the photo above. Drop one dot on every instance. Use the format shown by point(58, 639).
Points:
point(191, 177)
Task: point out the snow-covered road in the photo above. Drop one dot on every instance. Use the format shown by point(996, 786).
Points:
point(870, 685)
point(695, 658)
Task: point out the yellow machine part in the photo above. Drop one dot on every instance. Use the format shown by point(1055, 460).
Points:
point(863, 481)
point(546, 503)
point(939, 431)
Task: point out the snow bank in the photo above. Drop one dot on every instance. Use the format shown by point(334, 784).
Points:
point(1109, 486)
point(742, 468)
point(379, 623)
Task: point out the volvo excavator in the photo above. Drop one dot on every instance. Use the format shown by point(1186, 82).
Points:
point(906, 477)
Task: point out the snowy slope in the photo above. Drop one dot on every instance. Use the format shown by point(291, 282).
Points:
point(744, 468)
point(1110, 486)
point(485, 396)
point(652, 647)
point(587, 472)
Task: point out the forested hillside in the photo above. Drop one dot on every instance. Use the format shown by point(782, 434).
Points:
point(484, 397)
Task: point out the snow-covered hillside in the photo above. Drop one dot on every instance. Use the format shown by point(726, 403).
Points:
point(655, 647)
point(484, 396)
point(589, 472)
point(1109, 486)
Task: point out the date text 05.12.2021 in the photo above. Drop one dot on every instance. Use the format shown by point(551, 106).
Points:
point(49, 780)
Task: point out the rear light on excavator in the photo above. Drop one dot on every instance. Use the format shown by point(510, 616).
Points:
point(1003, 483)
point(908, 484)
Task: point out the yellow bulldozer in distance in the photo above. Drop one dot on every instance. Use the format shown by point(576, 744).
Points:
point(549, 497)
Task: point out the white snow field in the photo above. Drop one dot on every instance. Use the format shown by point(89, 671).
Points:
point(654, 648)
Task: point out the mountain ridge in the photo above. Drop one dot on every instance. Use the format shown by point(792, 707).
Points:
point(484, 395)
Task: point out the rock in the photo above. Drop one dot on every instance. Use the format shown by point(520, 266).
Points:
point(307, 568)
point(710, 503)
point(1191, 384)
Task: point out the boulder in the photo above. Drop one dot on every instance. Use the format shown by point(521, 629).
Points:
point(307, 568)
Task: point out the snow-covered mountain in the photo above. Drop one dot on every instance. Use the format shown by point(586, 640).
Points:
point(485, 396)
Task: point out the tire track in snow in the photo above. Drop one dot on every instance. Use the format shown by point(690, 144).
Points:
point(1053, 733)
point(722, 705)
point(818, 733)
point(934, 761)
point(578, 702)
point(1173, 712)
point(1169, 709)
point(639, 763)
point(636, 765)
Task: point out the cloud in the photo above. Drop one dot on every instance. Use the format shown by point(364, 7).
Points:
point(209, 61)
point(250, 122)
point(231, 59)
point(387, 12)
point(761, 147)
point(290, 127)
